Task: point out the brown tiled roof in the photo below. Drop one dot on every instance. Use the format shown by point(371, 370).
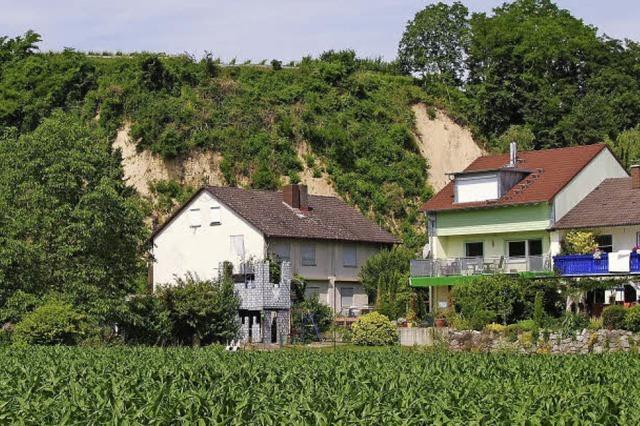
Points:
point(612, 203)
point(328, 218)
point(551, 170)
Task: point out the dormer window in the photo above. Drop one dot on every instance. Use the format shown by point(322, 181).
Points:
point(477, 187)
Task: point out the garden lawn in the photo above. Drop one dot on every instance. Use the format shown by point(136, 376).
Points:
point(125, 385)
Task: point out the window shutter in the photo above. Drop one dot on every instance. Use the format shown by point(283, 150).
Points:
point(215, 216)
point(349, 256)
point(194, 218)
point(308, 255)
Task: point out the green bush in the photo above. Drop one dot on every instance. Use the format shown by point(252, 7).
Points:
point(613, 317)
point(374, 329)
point(53, 323)
point(201, 311)
point(528, 325)
point(632, 319)
point(17, 306)
point(572, 322)
point(145, 320)
point(320, 312)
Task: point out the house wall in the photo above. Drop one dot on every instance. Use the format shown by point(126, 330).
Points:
point(329, 258)
point(324, 290)
point(494, 221)
point(495, 245)
point(181, 248)
point(603, 166)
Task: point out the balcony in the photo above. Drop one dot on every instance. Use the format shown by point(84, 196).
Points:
point(434, 272)
point(581, 265)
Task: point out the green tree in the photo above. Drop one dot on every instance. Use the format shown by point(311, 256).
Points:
point(522, 135)
point(434, 43)
point(627, 146)
point(68, 223)
point(385, 276)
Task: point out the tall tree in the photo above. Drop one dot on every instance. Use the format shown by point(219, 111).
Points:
point(434, 43)
point(68, 223)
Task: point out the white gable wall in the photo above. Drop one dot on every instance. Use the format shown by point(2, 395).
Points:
point(181, 247)
point(602, 167)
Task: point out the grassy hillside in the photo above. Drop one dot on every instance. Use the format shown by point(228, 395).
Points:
point(355, 116)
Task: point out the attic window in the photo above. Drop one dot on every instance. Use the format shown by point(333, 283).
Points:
point(215, 216)
point(476, 188)
point(195, 218)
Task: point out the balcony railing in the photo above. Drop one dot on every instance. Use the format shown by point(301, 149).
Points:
point(478, 266)
point(587, 264)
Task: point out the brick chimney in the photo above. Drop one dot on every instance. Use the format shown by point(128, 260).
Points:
point(635, 176)
point(296, 196)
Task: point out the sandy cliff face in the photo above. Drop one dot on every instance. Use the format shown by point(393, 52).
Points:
point(142, 168)
point(447, 146)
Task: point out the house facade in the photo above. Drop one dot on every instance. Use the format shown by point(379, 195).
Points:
point(497, 215)
point(321, 238)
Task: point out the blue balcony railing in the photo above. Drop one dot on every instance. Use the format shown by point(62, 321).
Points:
point(586, 264)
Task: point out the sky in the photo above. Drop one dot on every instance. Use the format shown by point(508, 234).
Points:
point(255, 29)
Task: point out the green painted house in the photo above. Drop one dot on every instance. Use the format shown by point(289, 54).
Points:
point(496, 216)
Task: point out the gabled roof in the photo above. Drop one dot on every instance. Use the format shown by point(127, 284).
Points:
point(328, 218)
point(612, 203)
point(551, 170)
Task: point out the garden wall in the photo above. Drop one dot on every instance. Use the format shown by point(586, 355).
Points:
point(587, 341)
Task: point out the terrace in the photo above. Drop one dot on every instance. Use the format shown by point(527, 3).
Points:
point(584, 265)
point(434, 272)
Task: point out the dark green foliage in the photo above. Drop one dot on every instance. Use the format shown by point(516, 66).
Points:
point(53, 323)
point(201, 312)
point(538, 309)
point(310, 307)
point(145, 320)
point(17, 306)
point(434, 43)
point(632, 319)
point(613, 317)
point(68, 223)
point(385, 276)
point(571, 322)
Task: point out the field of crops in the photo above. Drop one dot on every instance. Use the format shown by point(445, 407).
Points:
point(388, 386)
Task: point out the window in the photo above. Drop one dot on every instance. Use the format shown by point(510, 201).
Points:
point(474, 249)
point(194, 217)
point(346, 297)
point(517, 249)
point(524, 248)
point(237, 245)
point(309, 255)
point(349, 256)
point(282, 251)
point(312, 291)
point(605, 243)
point(535, 247)
point(215, 216)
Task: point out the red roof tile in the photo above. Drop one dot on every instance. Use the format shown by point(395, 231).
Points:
point(612, 203)
point(551, 170)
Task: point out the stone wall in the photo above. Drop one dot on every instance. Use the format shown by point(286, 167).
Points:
point(587, 341)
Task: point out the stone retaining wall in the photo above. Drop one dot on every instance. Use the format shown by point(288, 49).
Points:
point(587, 341)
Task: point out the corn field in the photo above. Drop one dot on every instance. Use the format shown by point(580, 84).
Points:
point(383, 386)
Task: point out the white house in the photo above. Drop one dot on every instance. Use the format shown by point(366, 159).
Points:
point(325, 240)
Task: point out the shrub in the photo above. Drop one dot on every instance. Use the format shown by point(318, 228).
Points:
point(572, 322)
point(538, 308)
point(580, 242)
point(528, 326)
point(53, 323)
point(201, 311)
point(632, 319)
point(495, 328)
point(595, 323)
point(613, 317)
point(145, 320)
point(17, 306)
point(373, 329)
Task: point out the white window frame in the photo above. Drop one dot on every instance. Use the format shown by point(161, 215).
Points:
point(345, 249)
point(232, 247)
point(306, 261)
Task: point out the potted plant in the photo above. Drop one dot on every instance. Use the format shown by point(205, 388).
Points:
point(441, 319)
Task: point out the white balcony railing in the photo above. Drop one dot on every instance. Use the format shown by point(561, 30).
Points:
point(479, 265)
